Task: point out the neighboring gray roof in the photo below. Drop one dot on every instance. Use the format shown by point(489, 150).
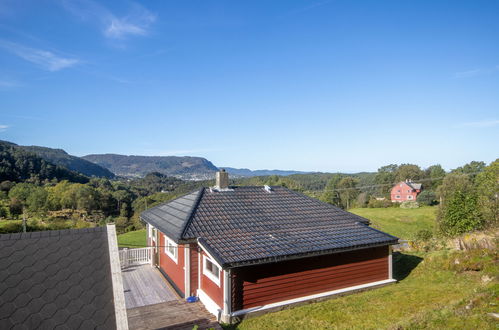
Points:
point(59, 278)
point(414, 185)
point(172, 217)
point(250, 225)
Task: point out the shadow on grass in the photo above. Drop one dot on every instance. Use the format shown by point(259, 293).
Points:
point(403, 264)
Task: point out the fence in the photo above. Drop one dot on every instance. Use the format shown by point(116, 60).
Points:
point(131, 257)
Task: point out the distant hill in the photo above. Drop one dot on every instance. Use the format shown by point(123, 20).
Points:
point(244, 172)
point(17, 164)
point(73, 163)
point(188, 168)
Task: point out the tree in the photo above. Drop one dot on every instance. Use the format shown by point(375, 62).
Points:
point(435, 175)
point(386, 177)
point(408, 171)
point(488, 193)
point(458, 210)
point(15, 207)
point(37, 200)
point(330, 194)
point(348, 191)
point(471, 169)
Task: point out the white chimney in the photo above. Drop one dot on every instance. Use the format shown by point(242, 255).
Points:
point(222, 181)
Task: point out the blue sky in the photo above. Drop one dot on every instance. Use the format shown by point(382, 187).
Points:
point(305, 85)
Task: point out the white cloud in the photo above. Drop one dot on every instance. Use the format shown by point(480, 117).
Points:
point(7, 84)
point(483, 123)
point(476, 72)
point(136, 23)
point(43, 58)
point(3, 128)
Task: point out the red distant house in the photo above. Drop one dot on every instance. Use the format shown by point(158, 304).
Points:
point(405, 191)
point(247, 249)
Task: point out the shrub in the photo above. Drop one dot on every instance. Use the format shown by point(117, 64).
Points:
point(409, 205)
point(460, 214)
point(424, 235)
point(427, 197)
point(374, 203)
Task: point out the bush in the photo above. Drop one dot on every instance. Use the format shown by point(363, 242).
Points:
point(409, 205)
point(424, 235)
point(374, 203)
point(460, 214)
point(427, 197)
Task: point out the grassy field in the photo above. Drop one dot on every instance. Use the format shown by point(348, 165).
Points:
point(133, 239)
point(433, 293)
point(403, 223)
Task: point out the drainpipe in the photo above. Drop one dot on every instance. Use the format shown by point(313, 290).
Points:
point(227, 310)
point(187, 268)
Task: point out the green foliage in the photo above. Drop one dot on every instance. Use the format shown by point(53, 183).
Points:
point(460, 214)
point(471, 169)
point(487, 183)
point(408, 171)
point(409, 205)
point(375, 203)
point(435, 175)
point(423, 235)
point(427, 197)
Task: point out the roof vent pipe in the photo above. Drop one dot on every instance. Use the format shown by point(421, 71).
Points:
point(222, 179)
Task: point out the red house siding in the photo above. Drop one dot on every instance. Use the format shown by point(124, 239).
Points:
point(264, 284)
point(401, 192)
point(209, 287)
point(194, 268)
point(174, 271)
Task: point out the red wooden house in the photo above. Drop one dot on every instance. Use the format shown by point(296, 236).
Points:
point(246, 249)
point(405, 191)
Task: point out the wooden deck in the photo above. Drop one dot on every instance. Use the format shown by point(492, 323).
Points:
point(144, 285)
point(178, 315)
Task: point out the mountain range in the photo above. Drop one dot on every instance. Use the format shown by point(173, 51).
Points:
point(112, 165)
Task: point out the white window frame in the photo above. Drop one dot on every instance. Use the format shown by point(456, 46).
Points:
point(409, 196)
point(208, 273)
point(170, 243)
point(152, 233)
point(397, 196)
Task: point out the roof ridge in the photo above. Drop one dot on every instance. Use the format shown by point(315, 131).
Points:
point(367, 221)
point(193, 211)
point(50, 233)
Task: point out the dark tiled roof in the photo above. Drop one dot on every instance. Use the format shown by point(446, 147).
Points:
point(172, 217)
point(250, 225)
point(56, 278)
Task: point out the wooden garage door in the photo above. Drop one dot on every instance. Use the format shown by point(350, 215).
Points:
point(264, 284)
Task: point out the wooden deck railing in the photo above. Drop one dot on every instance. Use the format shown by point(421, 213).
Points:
point(131, 257)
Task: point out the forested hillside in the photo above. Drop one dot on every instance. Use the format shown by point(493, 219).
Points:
point(190, 168)
point(19, 165)
point(73, 163)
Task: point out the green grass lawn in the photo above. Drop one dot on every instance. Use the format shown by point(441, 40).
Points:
point(403, 223)
point(431, 294)
point(133, 239)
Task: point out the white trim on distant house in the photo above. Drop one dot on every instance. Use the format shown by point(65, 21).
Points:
point(169, 243)
point(117, 280)
point(210, 305)
point(208, 272)
point(315, 296)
